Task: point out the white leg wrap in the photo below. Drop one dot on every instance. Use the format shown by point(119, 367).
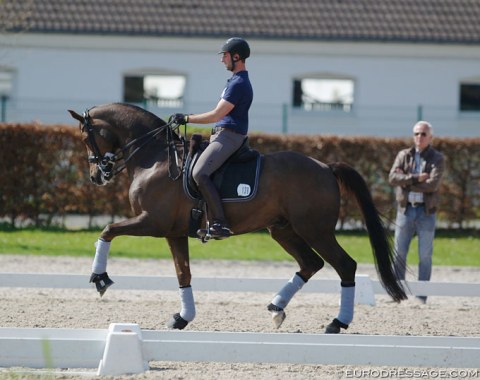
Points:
point(99, 265)
point(188, 304)
point(347, 301)
point(285, 294)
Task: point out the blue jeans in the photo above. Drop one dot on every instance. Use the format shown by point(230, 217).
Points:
point(414, 220)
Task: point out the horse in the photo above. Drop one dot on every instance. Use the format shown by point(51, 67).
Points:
point(297, 201)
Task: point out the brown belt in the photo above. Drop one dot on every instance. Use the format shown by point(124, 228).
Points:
point(417, 204)
point(218, 129)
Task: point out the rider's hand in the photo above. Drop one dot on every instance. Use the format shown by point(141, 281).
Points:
point(179, 118)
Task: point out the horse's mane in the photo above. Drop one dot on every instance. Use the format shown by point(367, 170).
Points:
point(124, 112)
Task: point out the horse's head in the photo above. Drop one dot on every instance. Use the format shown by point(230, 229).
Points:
point(101, 143)
point(118, 132)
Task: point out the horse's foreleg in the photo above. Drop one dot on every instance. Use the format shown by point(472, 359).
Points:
point(180, 254)
point(99, 267)
point(308, 261)
point(137, 226)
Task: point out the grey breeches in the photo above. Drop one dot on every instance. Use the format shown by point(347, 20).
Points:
point(222, 145)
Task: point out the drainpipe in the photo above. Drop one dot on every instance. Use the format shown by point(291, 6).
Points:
point(419, 112)
point(284, 119)
point(3, 112)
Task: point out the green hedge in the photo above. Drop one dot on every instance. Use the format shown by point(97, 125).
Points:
point(44, 173)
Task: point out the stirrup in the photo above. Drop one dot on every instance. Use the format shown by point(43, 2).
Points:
point(102, 282)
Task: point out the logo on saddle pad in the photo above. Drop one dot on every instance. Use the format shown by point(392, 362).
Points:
point(236, 180)
point(243, 190)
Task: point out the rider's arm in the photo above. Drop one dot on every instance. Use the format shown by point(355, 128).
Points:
point(223, 108)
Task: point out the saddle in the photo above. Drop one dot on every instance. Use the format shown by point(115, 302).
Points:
point(236, 180)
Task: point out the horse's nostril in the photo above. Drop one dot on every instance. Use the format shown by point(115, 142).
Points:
point(92, 179)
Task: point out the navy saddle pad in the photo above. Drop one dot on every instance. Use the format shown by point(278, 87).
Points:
point(237, 179)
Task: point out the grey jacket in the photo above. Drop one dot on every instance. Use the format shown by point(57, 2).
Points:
point(405, 181)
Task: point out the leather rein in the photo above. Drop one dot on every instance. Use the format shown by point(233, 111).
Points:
point(106, 162)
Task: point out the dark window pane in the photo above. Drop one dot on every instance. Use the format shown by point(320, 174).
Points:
point(470, 97)
point(133, 90)
point(297, 93)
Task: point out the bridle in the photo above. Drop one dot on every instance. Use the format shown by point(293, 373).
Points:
point(106, 162)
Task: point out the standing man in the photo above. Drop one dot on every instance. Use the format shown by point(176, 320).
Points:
point(231, 127)
point(416, 173)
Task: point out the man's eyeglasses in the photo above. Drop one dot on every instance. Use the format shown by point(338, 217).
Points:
point(423, 134)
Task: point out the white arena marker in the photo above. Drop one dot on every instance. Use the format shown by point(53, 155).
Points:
point(123, 351)
point(364, 294)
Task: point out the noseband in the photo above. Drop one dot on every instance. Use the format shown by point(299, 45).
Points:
point(106, 162)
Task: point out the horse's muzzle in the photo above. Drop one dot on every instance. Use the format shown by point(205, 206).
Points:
point(98, 178)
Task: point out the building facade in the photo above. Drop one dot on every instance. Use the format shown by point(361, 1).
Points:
point(342, 84)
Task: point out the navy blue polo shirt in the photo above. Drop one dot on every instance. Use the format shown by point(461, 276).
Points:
point(239, 92)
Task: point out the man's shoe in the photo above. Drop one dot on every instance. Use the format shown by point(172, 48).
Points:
point(422, 300)
point(219, 231)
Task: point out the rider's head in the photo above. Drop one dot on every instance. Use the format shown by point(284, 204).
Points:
point(238, 50)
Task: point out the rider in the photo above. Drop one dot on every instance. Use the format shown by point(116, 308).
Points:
point(231, 127)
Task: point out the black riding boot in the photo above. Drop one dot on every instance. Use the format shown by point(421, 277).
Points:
point(218, 229)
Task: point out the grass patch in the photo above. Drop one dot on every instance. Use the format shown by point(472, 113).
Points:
point(450, 247)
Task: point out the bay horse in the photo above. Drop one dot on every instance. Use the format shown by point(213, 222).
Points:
point(298, 201)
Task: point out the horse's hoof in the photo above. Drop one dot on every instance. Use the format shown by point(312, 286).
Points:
point(177, 322)
point(278, 314)
point(102, 282)
point(334, 327)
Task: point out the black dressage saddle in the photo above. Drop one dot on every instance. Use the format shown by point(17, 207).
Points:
point(236, 180)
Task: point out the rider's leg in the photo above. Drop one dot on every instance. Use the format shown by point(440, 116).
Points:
point(219, 227)
point(222, 145)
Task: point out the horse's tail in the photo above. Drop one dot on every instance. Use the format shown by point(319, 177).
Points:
point(380, 240)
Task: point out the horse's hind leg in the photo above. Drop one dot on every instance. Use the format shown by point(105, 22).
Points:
point(327, 246)
point(309, 263)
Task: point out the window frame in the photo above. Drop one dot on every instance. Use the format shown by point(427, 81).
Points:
point(160, 102)
point(298, 94)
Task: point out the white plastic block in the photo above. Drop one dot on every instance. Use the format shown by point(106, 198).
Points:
point(123, 351)
point(364, 293)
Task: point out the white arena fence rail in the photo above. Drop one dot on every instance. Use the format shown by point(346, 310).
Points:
point(125, 349)
point(365, 289)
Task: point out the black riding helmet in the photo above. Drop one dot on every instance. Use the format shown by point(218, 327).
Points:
point(236, 45)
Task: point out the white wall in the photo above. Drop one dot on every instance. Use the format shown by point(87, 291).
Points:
point(55, 73)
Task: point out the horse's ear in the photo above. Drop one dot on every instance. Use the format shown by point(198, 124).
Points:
point(76, 116)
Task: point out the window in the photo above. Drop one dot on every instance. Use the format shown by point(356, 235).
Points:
point(6, 86)
point(323, 93)
point(5, 82)
point(162, 90)
point(470, 96)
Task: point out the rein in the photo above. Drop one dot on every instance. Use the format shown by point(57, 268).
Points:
point(106, 162)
